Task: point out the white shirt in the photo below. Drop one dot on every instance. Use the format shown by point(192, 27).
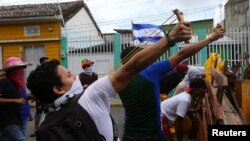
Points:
point(96, 100)
point(180, 88)
point(176, 105)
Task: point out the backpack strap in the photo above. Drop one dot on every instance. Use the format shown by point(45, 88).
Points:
point(73, 99)
point(70, 122)
point(115, 128)
point(76, 97)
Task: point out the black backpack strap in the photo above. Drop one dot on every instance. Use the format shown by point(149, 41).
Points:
point(72, 106)
point(115, 128)
point(76, 97)
point(73, 99)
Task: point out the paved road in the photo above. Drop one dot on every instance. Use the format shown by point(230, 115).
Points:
point(117, 112)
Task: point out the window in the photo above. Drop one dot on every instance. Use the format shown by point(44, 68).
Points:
point(32, 30)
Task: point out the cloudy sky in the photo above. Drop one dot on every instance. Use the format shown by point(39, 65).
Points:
point(118, 14)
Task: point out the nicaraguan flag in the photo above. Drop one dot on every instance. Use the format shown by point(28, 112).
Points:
point(147, 33)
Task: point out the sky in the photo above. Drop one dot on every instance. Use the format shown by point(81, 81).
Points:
point(118, 14)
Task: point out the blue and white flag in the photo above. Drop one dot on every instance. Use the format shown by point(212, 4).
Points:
point(147, 33)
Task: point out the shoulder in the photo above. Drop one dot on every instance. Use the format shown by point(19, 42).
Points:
point(95, 74)
point(104, 81)
point(158, 69)
point(162, 63)
point(81, 75)
point(184, 96)
point(99, 88)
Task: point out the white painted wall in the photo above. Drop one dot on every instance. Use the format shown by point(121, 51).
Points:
point(80, 25)
point(103, 62)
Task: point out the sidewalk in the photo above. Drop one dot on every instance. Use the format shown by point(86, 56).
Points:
point(116, 102)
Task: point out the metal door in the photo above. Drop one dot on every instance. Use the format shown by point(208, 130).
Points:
point(32, 54)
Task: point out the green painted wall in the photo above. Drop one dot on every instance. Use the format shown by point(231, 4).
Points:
point(64, 59)
point(117, 51)
point(201, 36)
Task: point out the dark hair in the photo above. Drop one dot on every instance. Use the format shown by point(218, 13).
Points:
point(197, 82)
point(43, 59)
point(42, 80)
point(128, 52)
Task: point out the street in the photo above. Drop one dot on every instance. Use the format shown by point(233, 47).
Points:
point(116, 111)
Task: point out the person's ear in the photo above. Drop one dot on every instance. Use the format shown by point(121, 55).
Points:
point(58, 90)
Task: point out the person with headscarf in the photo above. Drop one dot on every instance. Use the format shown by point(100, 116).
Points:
point(88, 76)
point(17, 76)
point(14, 109)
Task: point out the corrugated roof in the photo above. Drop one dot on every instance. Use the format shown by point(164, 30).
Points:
point(69, 9)
point(29, 11)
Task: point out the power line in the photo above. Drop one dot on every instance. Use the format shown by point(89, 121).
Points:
point(149, 18)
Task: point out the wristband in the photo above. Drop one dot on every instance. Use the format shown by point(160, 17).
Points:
point(170, 42)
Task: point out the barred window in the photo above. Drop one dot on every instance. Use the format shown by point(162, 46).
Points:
point(32, 30)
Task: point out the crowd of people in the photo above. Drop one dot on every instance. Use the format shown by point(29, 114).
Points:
point(139, 83)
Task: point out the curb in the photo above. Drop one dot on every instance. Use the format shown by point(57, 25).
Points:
point(116, 105)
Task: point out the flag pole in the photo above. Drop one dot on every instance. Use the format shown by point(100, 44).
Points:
point(133, 41)
point(129, 55)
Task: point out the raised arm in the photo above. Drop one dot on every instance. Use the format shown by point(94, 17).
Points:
point(147, 56)
point(8, 100)
point(192, 49)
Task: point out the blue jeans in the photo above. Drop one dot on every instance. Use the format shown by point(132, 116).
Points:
point(11, 133)
point(24, 125)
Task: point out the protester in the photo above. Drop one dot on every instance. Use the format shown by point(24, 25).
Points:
point(192, 72)
point(141, 97)
point(41, 107)
point(17, 76)
point(51, 82)
point(14, 109)
point(88, 76)
point(175, 108)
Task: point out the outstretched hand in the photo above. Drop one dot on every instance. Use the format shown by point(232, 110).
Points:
point(181, 32)
point(20, 101)
point(218, 32)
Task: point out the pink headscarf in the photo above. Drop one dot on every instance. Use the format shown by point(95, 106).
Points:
point(15, 70)
point(17, 75)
